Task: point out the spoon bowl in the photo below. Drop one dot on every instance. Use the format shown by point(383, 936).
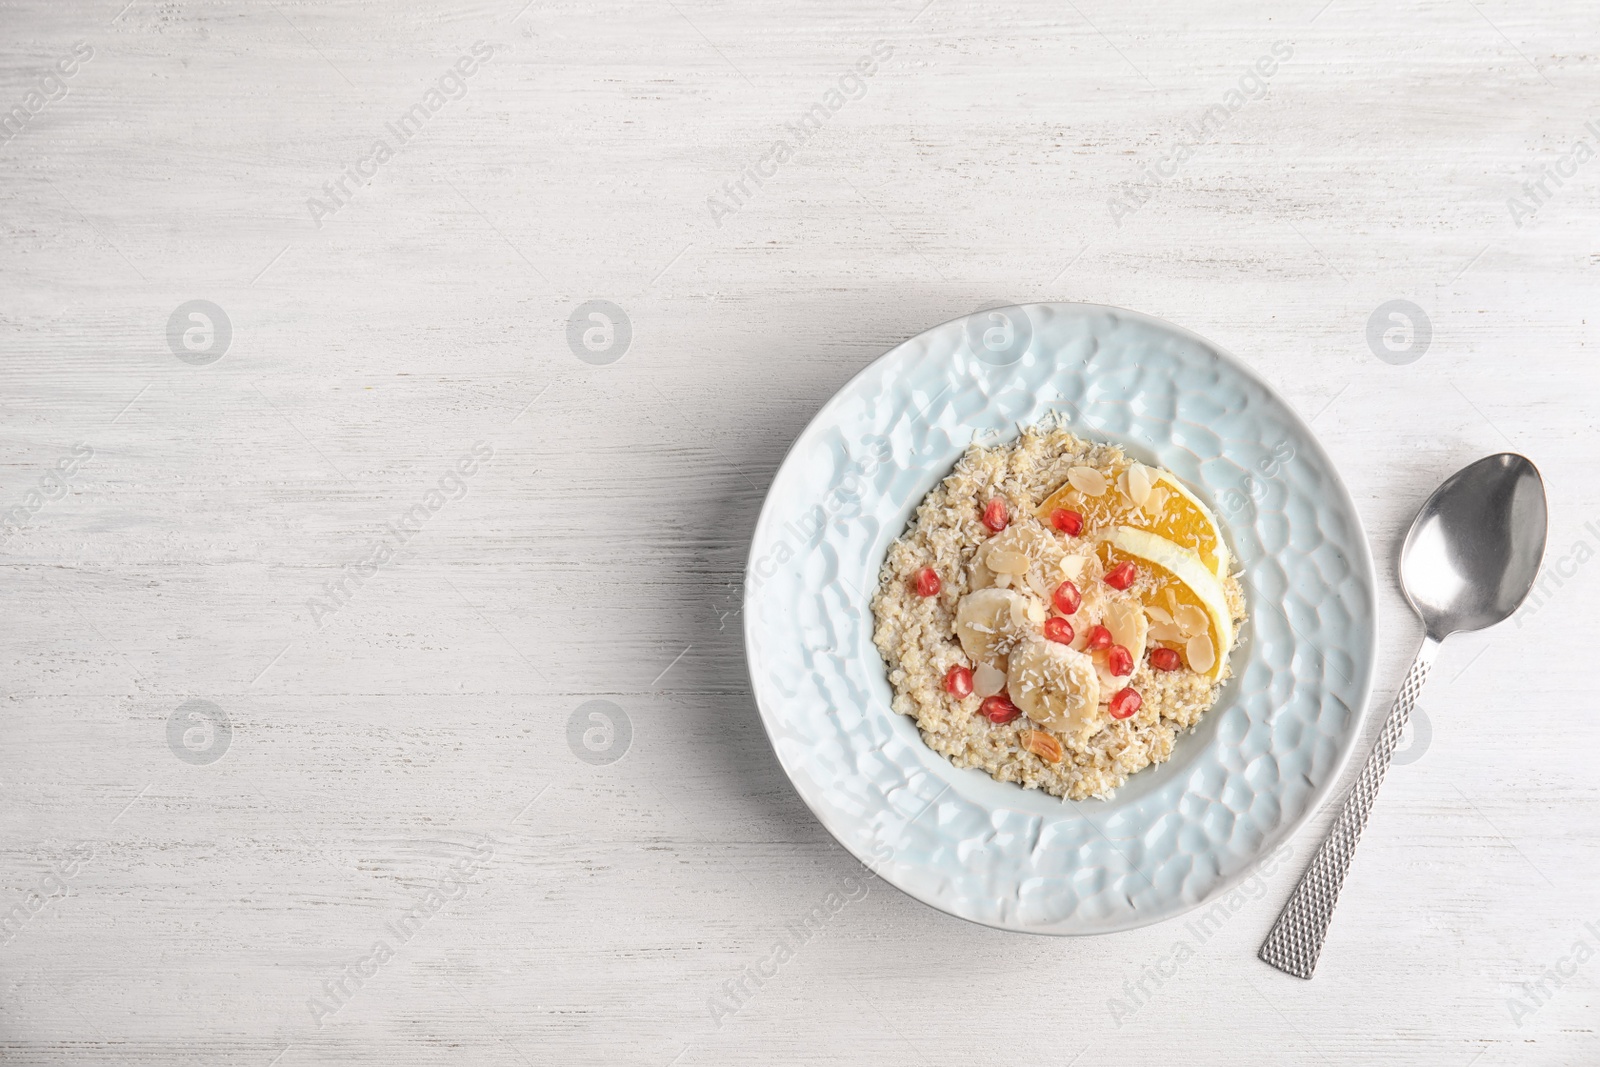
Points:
point(1474, 548)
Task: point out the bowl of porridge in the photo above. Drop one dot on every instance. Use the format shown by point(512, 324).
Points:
point(1065, 634)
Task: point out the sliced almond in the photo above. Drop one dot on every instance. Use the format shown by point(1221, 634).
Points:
point(1003, 581)
point(1192, 619)
point(1042, 745)
point(1036, 612)
point(1087, 481)
point(1072, 566)
point(987, 681)
point(1007, 561)
point(1167, 632)
point(1128, 625)
point(1200, 653)
point(1158, 614)
point(1139, 484)
point(1157, 501)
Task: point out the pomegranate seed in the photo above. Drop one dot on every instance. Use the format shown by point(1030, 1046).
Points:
point(928, 583)
point(1122, 575)
point(1165, 659)
point(958, 680)
point(1067, 598)
point(1099, 639)
point(1058, 629)
point(1125, 703)
point(998, 709)
point(997, 516)
point(1120, 660)
point(1068, 522)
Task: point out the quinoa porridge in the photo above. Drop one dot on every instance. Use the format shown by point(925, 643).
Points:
point(1056, 613)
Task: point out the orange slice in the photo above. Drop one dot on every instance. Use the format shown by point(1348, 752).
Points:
point(1180, 518)
point(1175, 580)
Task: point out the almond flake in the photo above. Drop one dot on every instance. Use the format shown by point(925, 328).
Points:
point(1192, 619)
point(1201, 654)
point(1167, 632)
point(1072, 566)
point(1139, 484)
point(1087, 481)
point(1122, 619)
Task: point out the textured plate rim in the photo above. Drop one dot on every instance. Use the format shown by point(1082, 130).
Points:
point(1362, 566)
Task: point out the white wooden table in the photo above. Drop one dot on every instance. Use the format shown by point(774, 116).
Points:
point(399, 535)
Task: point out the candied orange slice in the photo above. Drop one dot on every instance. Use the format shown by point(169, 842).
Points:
point(1173, 579)
point(1170, 510)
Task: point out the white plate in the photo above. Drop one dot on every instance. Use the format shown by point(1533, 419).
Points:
point(1175, 835)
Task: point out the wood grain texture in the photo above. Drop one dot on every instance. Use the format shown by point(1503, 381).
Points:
point(416, 739)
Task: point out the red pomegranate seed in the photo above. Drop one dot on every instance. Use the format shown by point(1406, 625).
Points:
point(1120, 660)
point(1067, 598)
point(1125, 703)
point(1058, 629)
point(998, 709)
point(1099, 639)
point(1165, 659)
point(958, 680)
point(996, 515)
point(928, 583)
point(1122, 575)
point(1068, 522)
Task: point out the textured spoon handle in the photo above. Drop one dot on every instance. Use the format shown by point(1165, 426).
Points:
point(1296, 939)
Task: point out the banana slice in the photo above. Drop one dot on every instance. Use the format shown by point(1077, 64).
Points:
point(991, 622)
point(1054, 686)
point(1130, 628)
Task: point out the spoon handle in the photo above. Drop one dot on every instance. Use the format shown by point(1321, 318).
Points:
point(1296, 939)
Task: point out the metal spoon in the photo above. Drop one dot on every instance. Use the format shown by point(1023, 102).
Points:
point(1470, 558)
